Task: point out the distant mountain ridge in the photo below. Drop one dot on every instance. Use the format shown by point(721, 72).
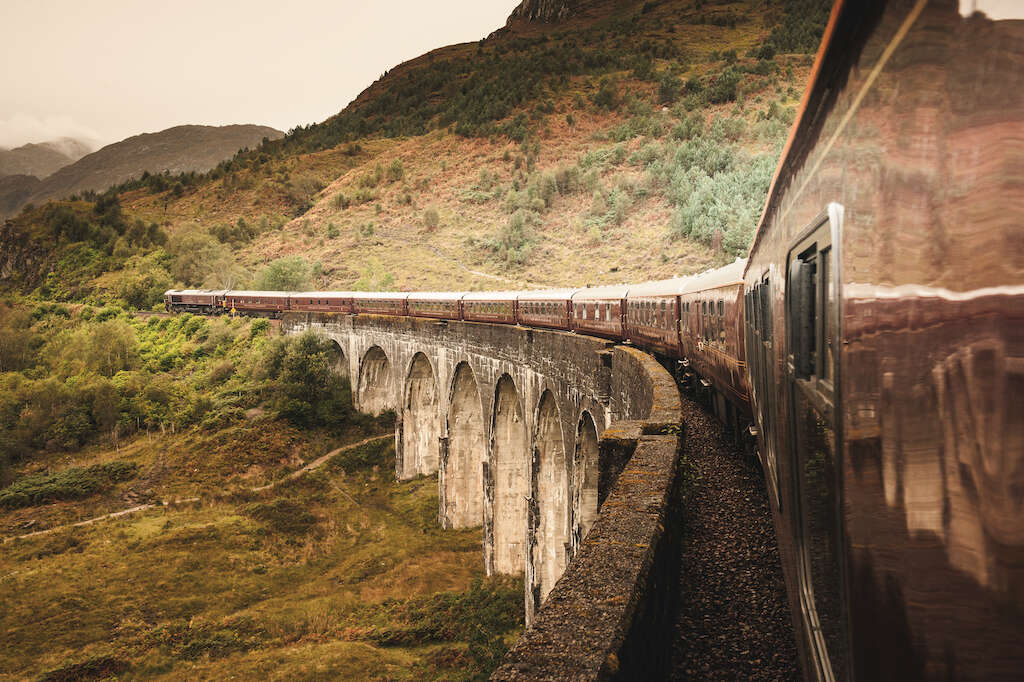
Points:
point(43, 158)
point(175, 150)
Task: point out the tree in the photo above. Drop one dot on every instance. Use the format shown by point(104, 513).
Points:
point(291, 273)
point(195, 253)
point(143, 281)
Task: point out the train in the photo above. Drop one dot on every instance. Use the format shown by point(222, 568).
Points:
point(694, 323)
point(870, 346)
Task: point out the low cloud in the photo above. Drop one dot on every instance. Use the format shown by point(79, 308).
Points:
point(20, 129)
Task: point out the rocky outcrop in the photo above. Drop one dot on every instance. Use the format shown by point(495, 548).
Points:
point(545, 11)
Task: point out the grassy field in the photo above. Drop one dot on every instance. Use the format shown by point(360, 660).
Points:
point(231, 567)
point(341, 574)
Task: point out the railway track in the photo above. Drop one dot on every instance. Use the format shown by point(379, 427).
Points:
point(733, 620)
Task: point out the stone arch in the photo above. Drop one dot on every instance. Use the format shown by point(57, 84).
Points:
point(375, 382)
point(463, 474)
point(338, 360)
point(585, 476)
point(552, 531)
point(511, 469)
point(421, 421)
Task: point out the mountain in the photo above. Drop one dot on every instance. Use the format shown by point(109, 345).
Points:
point(43, 158)
point(175, 150)
point(15, 191)
point(583, 142)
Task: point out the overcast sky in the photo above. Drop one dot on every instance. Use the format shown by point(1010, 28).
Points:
point(108, 69)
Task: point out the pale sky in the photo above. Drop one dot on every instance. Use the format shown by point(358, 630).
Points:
point(108, 69)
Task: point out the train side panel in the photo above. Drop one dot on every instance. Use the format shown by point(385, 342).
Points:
point(712, 341)
point(884, 303)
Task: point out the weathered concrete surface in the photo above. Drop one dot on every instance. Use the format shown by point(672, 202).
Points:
point(527, 430)
point(487, 407)
point(610, 614)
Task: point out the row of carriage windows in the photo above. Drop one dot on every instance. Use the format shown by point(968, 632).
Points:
point(651, 313)
point(600, 312)
point(542, 308)
point(433, 306)
point(659, 314)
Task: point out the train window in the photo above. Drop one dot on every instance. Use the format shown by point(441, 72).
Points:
point(803, 283)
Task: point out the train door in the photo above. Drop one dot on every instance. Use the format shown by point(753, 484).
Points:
point(812, 321)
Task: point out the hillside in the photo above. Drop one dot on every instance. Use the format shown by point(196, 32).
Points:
point(43, 158)
point(643, 134)
point(181, 149)
point(264, 530)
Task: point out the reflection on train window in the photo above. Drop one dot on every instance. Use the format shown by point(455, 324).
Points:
point(809, 307)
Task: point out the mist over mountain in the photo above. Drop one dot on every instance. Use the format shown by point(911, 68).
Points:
point(42, 159)
point(176, 150)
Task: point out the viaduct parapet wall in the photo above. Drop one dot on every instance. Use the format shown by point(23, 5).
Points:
point(562, 447)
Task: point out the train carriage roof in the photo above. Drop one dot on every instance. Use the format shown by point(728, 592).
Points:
point(387, 295)
point(196, 292)
point(261, 294)
point(662, 287)
point(719, 277)
point(489, 296)
point(546, 295)
point(434, 296)
point(602, 293)
point(321, 294)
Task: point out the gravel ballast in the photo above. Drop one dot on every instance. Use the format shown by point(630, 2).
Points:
point(734, 619)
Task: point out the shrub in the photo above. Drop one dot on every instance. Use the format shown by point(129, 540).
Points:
point(290, 273)
point(70, 484)
point(431, 218)
point(725, 86)
point(396, 170)
point(607, 95)
point(669, 88)
point(283, 516)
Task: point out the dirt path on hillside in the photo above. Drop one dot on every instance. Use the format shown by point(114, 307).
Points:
point(312, 466)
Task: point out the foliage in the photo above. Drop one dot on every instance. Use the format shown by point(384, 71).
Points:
point(801, 27)
point(283, 516)
point(377, 453)
point(197, 254)
point(69, 484)
point(431, 218)
point(290, 273)
point(305, 388)
point(144, 279)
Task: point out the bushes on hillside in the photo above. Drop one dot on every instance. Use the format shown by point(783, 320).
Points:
point(70, 484)
point(291, 273)
point(304, 387)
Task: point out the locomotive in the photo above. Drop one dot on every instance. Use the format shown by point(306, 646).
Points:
point(872, 342)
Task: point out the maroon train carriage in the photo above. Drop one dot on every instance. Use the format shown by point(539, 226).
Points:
point(885, 299)
point(545, 308)
point(269, 303)
point(489, 306)
point(379, 302)
point(599, 311)
point(321, 301)
point(652, 315)
point(442, 305)
point(711, 326)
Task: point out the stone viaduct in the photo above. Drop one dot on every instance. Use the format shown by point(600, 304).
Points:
point(528, 432)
